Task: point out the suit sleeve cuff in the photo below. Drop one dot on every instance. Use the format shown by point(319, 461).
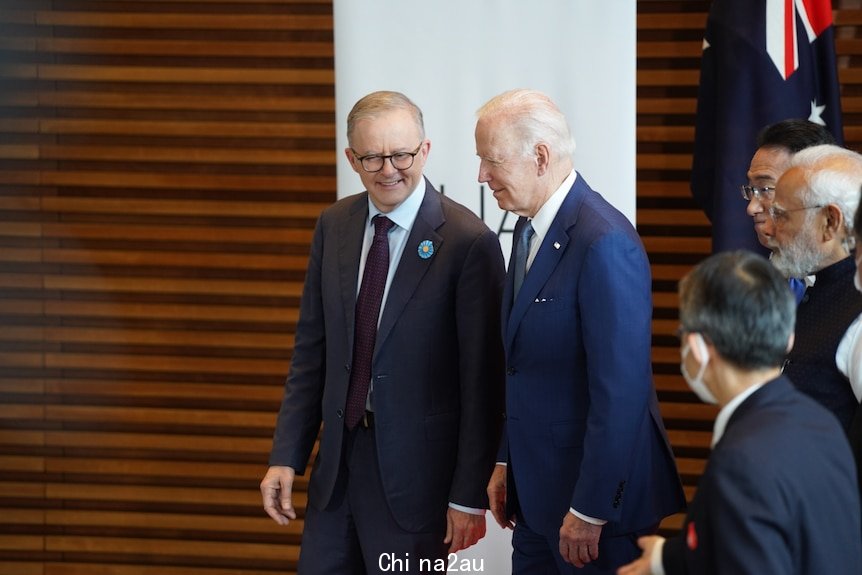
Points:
point(470, 510)
point(587, 518)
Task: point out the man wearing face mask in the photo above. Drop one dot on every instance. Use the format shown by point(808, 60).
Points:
point(779, 493)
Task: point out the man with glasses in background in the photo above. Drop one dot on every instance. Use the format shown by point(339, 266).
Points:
point(398, 354)
point(776, 145)
point(811, 214)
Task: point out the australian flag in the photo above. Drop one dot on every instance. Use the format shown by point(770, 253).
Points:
point(763, 61)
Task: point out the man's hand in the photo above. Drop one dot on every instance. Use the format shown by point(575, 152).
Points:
point(276, 488)
point(463, 529)
point(641, 566)
point(579, 540)
point(497, 497)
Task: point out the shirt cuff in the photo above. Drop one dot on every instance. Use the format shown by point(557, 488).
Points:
point(470, 510)
point(587, 518)
point(655, 564)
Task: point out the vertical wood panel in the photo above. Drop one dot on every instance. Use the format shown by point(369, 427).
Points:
point(675, 231)
point(162, 165)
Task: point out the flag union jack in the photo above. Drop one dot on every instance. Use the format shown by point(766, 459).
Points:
point(763, 61)
point(782, 40)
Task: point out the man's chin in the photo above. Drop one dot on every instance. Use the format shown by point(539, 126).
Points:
point(766, 241)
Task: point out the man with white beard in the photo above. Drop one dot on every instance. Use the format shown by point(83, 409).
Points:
point(813, 210)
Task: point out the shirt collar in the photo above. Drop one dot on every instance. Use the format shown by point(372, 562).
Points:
point(404, 213)
point(545, 216)
point(727, 411)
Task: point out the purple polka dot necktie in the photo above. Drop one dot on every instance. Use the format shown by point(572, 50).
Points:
point(367, 313)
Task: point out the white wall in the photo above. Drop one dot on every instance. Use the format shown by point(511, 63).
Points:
point(451, 56)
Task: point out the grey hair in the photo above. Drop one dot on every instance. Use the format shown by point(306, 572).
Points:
point(534, 119)
point(377, 103)
point(832, 175)
point(743, 305)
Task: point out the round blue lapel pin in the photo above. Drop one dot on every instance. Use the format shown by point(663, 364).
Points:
point(426, 249)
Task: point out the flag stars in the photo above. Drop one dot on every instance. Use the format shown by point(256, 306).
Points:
point(817, 113)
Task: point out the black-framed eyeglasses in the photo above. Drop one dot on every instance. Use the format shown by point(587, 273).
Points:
point(779, 215)
point(753, 192)
point(400, 160)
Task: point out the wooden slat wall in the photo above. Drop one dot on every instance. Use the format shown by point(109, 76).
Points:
point(162, 164)
point(675, 232)
point(161, 167)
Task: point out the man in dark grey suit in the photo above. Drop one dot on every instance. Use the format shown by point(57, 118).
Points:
point(411, 406)
point(778, 494)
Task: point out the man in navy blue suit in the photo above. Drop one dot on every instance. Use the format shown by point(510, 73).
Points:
point(585, 465)
point(778, 494)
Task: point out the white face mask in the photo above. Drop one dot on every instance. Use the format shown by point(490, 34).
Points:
point(696, 383)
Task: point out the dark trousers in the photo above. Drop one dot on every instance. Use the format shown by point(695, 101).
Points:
point(539, 554)
point(357, 534)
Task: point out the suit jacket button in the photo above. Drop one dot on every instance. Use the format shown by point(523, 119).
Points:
point(511, 371)
point(340, 413)
point(347, 367)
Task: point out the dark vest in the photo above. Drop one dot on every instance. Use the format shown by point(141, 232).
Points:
point(826, 311)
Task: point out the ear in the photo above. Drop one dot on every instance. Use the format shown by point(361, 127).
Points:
point(698, 347)
point(354, 163)
point(543, 158)
point(424, 150)
point(790, 341)
point(834, 223)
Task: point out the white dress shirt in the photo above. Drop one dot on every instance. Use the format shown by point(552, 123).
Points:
point(403, 217)
point(848, 357)
point(543, 219)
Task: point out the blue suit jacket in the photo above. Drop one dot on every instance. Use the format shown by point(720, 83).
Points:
point(778, 494)
point(583, 428)
point(437, 364)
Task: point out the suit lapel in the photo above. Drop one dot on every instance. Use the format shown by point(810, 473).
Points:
point(549, 255)
point(350, 239)
point(412, 268)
